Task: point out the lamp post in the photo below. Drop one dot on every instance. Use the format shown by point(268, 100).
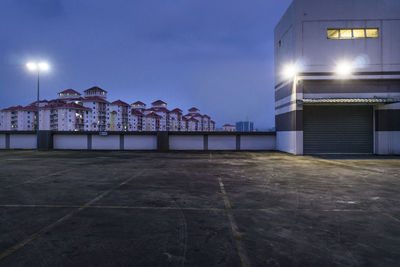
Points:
point(38, 67)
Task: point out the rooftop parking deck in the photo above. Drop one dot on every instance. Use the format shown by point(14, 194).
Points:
point(63, 208)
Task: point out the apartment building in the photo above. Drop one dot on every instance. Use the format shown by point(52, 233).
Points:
point(19, 118)
point(71, 111)
point(120, 116)
point(95, 99)
point(64, 117)
point(337, 77)
point(159, 108)
point(175, 120)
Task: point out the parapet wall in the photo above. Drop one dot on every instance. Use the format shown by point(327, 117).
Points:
point(153, 141)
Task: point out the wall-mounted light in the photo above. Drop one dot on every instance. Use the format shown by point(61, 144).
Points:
point(344, 68)
point(290, 71)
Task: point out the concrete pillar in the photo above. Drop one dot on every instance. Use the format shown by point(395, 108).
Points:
point(7, 141)
point(45, 140)
point(89, 142)
point(238, 142)
point(162, 141)
point(121, 142)
point(205, 144)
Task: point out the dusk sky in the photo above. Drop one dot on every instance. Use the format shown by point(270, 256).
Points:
point(216, 55)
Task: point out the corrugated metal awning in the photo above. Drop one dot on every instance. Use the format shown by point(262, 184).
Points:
point(348, 101)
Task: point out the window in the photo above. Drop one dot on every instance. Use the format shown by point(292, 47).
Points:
point(333, 33)
point(372, 33)
point(356, 33)
point(345, 34)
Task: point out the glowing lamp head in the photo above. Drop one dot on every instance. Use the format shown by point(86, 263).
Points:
point(344, 68)
point(42, 66)
point(31, 66)
point(290, 71)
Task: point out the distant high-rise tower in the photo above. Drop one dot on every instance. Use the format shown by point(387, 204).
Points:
point(245, 126)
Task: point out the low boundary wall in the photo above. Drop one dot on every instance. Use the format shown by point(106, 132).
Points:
point(160, 141)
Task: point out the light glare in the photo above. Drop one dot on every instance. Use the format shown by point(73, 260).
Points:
point(44, 66)
point(290, 70)
point(344, 68)
point(31, 66)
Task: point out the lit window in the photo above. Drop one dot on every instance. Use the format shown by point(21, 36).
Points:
point(358, 33)
point(333, 33)
point(345, 34)
point(372, 33)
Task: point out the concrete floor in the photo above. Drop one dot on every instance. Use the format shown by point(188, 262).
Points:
point(66, 208)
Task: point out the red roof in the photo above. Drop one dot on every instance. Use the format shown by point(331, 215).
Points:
point(30, 108)
point(158, 102)
point(95, 88)
point(193, 115)
point(95, 99)
point(176, 110)
point(41, 101)
point(69, 91)
point(213, 122)
point(21, 108)
point(153, 115)
point(120, 103)
point(139, 103)
point(192, 119)
point(136, 112)
point(69, 105)
point(193, 109)
point(206, 116)
point(158, 109)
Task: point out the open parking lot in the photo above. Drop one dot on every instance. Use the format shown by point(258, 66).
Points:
point(64, 208)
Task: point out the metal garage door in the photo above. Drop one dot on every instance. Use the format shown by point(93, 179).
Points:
point(338, 129)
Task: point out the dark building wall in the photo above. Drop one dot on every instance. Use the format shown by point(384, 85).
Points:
point(387, 120)
point(290, 121)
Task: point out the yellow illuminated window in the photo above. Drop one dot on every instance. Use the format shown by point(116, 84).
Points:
point(358, 33)
point(372, 33)
point(333, 33)
point(345, 34)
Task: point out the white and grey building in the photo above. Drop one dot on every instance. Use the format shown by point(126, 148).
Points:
point(337, 77)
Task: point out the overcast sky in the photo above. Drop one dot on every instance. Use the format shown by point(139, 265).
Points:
point(216, 55)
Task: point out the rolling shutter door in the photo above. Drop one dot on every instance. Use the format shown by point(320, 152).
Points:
point(338, 129)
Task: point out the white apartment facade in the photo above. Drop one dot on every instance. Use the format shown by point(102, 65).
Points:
point(71, 111)
point(64, 117)
point(120, 116)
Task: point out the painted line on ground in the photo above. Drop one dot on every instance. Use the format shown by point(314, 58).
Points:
point(40, 177)
point(386, 214)
point(235, 229)
point(350, 165)
point(177, 208)
point(49, 227)
point(108, 207)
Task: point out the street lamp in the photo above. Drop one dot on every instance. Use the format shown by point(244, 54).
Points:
point(37, 67)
